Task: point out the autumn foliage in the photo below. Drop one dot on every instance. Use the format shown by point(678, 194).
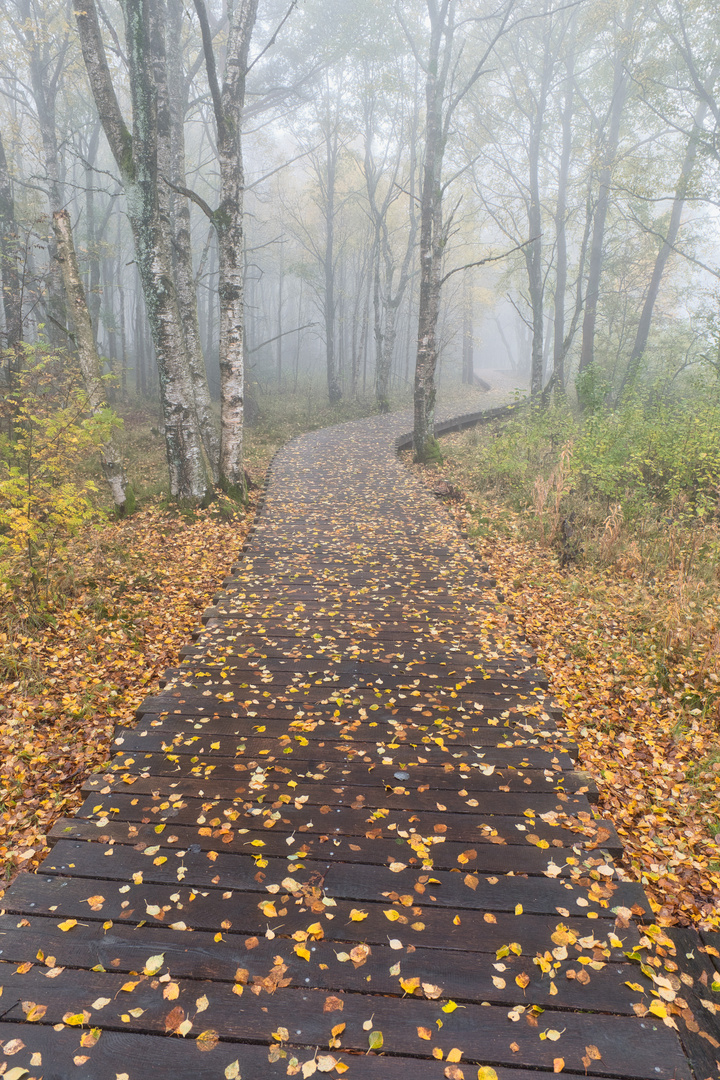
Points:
point(82, 664)
point(618, 593)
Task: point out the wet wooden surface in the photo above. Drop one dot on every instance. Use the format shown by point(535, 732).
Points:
point(346, 837)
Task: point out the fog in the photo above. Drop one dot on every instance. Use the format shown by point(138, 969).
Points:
point(408, 194)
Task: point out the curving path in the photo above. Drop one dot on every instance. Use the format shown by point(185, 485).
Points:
point(346, 837)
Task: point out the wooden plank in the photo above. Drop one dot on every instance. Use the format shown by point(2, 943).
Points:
point(484, 857)
point(360, 648)
point(139, 1055)
point(484, 1034)
point(316, 690)
point(375, 775)
point(299, 720)
point(67, 898)
point(145, 739)
point(699, 1026)
point(463, 976)
point(499, 802)
point(360, 881)
point(466, 829)
point(236, 868)
point(346, 674)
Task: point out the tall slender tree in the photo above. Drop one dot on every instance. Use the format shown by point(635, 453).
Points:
point(9, 256)
point(447, 83)
point(608, 141)
point(228, 103)
point(90, 366)
point(136, 156)
point(46, 56)
point(180, 227)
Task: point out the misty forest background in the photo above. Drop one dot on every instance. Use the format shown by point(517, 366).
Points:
point(222, 225)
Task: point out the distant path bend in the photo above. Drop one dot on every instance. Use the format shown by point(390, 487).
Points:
point(348, 823)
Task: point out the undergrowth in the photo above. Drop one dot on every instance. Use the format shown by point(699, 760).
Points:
point(603, 533)
point(118, 599)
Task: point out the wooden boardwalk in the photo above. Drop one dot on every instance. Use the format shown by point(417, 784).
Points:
point(346, 837)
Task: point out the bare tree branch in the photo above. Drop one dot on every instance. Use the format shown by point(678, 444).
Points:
point(488, 259)
point(274, 37)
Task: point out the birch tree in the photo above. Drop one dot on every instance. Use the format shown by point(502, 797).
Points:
point(228, 103)
point(607, 145)
point(447, 82)
point(136, 156)
point(390, 179)
point(9, 268)
point(178, 210)
point(44, 39)
point(88, 358)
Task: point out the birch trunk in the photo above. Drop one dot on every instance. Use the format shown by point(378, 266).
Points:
point(136, 157)
point(11, 288)
point(442, 97)
point(392, 297)
point(431, 235)
point(180, 224)
point(87, 353)
point(45, 74)
point(331, 149)
point(534, 252)
point(228, 105)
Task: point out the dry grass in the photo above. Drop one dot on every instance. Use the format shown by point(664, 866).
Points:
point(628, 631)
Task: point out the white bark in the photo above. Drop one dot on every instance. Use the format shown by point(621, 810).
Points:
point(136, 156)
point(228, 104)
point(90, 366)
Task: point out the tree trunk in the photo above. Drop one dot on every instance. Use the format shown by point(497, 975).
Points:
point(381, 373)
point(467, 337)
point(363, 346)
point(387, 299)
point(87, 353)
point(442, 98)
point(298, 339)
point(108, 309)
point(331, 149)
point(136, 158)
point(281, 298)
point(120, 286)
point(534, 250)
point(432, 233)
point(533, 258)
point(621, 83)
point(643, 330)
point(431, 251)
point(228, 105)
point(44, 80)
point(11, 286)
point(559, 351)
point(93, 261)
point(180, 225)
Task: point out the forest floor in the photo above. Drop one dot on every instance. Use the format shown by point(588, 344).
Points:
point(122, 603)
point(632, 652)
point(133, 591)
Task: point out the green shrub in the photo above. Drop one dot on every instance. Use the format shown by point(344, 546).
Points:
point(653, 457)
point(46, 437)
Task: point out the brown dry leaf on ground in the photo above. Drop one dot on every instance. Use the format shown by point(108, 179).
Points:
point(139, 587)
point(649, 744)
